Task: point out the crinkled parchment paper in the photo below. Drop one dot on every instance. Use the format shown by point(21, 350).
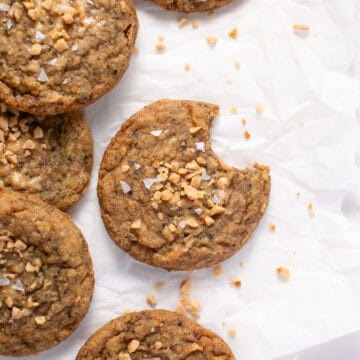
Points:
point(308, 134)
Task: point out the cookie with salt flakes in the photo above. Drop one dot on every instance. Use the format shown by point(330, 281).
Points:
point(46, 275)
point(167, 199)
point(154, 334)
point(58, 56)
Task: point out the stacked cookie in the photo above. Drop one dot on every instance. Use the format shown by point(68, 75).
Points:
point(165, 197)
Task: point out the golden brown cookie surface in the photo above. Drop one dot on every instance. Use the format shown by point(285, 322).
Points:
point(60, 55)
point(46, 276)
point(48, 156)
point(167, 199)
point(191, 5)
point(154, 334)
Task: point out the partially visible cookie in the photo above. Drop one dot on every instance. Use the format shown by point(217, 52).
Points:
point(167, 199)
point(191, 5)
point(154, 334)
point(46, 275)
point(57, 56)
point(48, 156)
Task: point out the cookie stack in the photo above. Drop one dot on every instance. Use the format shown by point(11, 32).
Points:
point(165, 197)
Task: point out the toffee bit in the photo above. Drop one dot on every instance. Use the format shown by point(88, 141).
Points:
point(272, 227)
point(133, 345)
point(283, 272)
point(160, 47)
point(233, 33)
point(232, 332)
point(211, 40)
point(151, 300)
point(301, 27)
point(247, 135)
point(259, 109)
point(218, 271)
point(182, 22)
point(187, 67)
point(311, 210)
point(235, 282)
point(159, 285)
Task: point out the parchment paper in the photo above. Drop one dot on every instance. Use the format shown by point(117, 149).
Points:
point(308, 134)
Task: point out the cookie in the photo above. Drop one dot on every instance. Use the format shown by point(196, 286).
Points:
point(46, 276)
point(154, 334)
point(57, 56)
point(167, 199)
point(188, 6)
point(48, 156)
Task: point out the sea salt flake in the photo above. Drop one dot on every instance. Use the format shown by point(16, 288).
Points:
point(4, 281)
point(137, 166)
point(156, 133)
point(102, 22)
point(88, 21)
point(43, 76)
point(205, 176)
point(53, 61)
point(9, 24)
point(215, 199)
point(149, 182)
point(39, 36)
point(4, 7)
point(75, 47)
point(182, 224)
point(198, 211)
point(125, 187)
point(18, 286)
point(200, 146)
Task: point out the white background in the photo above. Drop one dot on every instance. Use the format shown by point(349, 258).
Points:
point(308, 79)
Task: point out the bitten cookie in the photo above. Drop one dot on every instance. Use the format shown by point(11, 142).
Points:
point(191, 5)
point(48, 156)
point(60, 55)
point(154, 334)
point(167, 199)
point(46, 275)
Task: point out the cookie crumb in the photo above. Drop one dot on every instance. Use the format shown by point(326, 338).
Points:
point(247, 135)
point(211, 40)
point(259, 109)
point(218, 271)
point(234, 109)
point(133, 345)
point(136, 50)
point(151, 300)
point(160, 47)
point(237, 65)
point(232, 332)
point(235, 281)
point(272, 227)
point(298, 195)
point(194, 24)
point(283, 272)
point(187, 67)
point(243, 122)
point(161, 38)
point(159, 285)
point(182, 22)
point(242, 264)
point(301, 27)
point(233, 33)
